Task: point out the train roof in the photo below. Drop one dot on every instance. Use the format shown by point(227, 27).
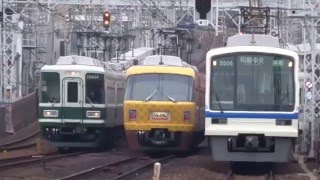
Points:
point(79, 60)
point(257, 39)
point(165, 60)
point(85, 68)
point(126, 60)
point(138, 53)
point(252, 49)
point(180, 70)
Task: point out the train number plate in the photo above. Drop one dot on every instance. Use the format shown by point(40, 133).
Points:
point(160, 116)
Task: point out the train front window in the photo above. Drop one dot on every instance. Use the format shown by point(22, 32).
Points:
point(252, 82)
point(50, 87)
point(95, 88)
point(72, 92)
point(159, 87)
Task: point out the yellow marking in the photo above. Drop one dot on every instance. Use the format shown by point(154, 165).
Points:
point(187, 71)
point(143, 121)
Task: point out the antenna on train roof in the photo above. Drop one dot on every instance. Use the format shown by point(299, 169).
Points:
point(161, 62)
point(253, 41)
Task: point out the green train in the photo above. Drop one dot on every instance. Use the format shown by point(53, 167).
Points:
point(81, 102)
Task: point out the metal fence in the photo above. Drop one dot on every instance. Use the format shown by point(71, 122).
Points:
point(19, 114)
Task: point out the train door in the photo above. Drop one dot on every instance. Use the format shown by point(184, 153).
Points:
point(72, 100)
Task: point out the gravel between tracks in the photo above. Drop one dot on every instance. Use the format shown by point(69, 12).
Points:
point(59, 167)
point(199, 165)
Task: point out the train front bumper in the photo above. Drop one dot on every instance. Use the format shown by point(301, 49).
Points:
point(267, 127)
point(169, 126)
point(148, 140)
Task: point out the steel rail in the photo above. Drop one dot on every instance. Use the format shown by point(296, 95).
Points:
point(19, 140)
point(142, 168)
point(40, 159)
point(97, 168)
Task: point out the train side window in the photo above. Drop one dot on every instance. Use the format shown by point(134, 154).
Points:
point(72, 92)
point(120, 92)
point(111, 92)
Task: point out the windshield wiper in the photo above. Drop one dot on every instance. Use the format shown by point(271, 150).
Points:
point(218, 99)
point(170, 98)
point(90, 102)
point(150, 96)
point(54, 102)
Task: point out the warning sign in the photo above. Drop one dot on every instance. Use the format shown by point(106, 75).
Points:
point(308, 84)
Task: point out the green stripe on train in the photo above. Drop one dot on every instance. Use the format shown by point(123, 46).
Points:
point(72, 112)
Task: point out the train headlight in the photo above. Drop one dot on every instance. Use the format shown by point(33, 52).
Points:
point(283, 122)
point(219, 121)
point(93, 114)
point(132, 114)
point(187, 116)
point(50, 113)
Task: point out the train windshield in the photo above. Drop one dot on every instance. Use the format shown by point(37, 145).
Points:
point(50, 87)
point(95, 88)
point(252, 82)
point(160, 87)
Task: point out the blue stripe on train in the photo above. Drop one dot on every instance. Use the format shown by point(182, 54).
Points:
point(252, 115)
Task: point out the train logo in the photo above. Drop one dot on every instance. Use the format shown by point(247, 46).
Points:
point(160, 116)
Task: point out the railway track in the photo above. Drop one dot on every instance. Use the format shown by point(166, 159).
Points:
point(19, 161)
point(22, 143)
point(115, 170)
point(19, 147)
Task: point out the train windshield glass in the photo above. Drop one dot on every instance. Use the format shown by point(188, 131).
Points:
point(50, 87)
point(160, 87)
point(95, 88)
point(252, 82)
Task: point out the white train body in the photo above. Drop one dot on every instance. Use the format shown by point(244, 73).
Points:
point(252, 103)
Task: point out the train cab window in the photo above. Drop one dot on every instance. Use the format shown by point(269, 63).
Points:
point(95, 88)
point(254, 82)
point(50, 87)
point(72, 92)
point(178, 87)
point(160, 87)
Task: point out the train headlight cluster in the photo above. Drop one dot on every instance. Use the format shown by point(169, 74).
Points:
point(283, 122)
point(50, 113)
point(132, 114)
point(93, 114)
point(187, 116)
